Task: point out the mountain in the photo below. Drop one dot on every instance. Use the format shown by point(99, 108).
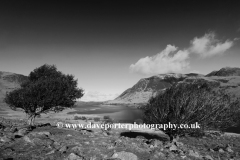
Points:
point(226, 78)
point(230, 84)
point(227, 71)
point(10, 81)
point(145, 88)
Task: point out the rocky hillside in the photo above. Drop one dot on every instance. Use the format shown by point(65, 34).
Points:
point(224, 72)
point(47, 142)
point(148, 87)
point(10, 81)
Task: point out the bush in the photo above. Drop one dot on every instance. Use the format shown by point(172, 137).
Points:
point(79, 118)
point(106, 117)
point(189, 103)
point(139, 121)
point(83, 118)
point(96, 119)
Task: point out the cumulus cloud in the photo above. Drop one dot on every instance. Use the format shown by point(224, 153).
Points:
point(171, 59)
point(162, 62)
point(208, 46)
point(97, 96)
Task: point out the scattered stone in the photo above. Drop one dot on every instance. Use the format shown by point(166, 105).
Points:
point(22, 132)
point(125, 155)
point(63, 149)
point(76, 149)
point(51, 152)
point(229, 149)
point(5, 139)
point(156, 143)
point(87, 143)
point(194, 154)
point(105, 133)
point(173, 148)
point(27, 139)
point(211, 150)
point(43, 133)
point(73, 156)
point(207, 157)
point(221, 150)
point(159, 155)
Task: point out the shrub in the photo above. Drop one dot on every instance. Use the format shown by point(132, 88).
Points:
point(76, 118)
point(96, 119)
point(83, 118)
point(189, 103)
point(106, 117)
point(139, 121)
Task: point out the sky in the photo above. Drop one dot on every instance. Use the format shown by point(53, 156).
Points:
point(110, 45)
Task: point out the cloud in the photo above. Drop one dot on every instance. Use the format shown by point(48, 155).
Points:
point(208, 46)
point(171, 59)
point(97, 96)
point(162, 62)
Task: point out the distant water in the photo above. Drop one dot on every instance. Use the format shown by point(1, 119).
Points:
point(117, 112)
point(122, 113)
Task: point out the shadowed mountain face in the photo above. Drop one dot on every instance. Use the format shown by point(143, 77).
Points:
point(227, 71)
point(10, 81)
point(227, 79)
point(148, 87)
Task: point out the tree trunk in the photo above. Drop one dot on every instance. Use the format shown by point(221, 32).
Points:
point(31, 119)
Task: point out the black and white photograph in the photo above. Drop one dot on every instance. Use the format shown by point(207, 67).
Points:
point(119, 80)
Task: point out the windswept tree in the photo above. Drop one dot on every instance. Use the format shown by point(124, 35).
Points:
point(47, 89)
point(190, 103)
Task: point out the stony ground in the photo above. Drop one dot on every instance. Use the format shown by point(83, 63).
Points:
point(46, 142)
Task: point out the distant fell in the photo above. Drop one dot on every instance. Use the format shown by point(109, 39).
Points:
point(10, 81)
point(225, 72)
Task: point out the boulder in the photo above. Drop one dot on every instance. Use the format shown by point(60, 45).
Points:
point(73, 156)
point(125, 155)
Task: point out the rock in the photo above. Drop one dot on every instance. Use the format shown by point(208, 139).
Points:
point(27, 139)
point(42, 141)
point(125, 155)
point(56, 145)
point(105, 133)
point(5, 139)
point(207, 157)
point(173, 148)
point(159, 155)
point(63, 149)
point(73, 156)
point(221, 150)
point(51, 152)
point(156, 143)
point(194, 154)
point(43, 133)
point(152, 133)
point(86, 143)
point(76, 149)
point(22, 132)
point(229, 149)
point(7, 129)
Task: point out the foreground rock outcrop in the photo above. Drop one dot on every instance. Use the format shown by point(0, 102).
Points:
point(48, 142)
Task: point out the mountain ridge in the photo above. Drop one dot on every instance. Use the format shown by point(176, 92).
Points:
point(227, 78)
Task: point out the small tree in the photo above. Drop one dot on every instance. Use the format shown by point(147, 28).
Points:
point(47, 89)
point(190, 103)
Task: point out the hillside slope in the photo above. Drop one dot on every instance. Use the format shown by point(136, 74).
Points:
point(10, 81)
point(147, 87)
point(224, 72)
